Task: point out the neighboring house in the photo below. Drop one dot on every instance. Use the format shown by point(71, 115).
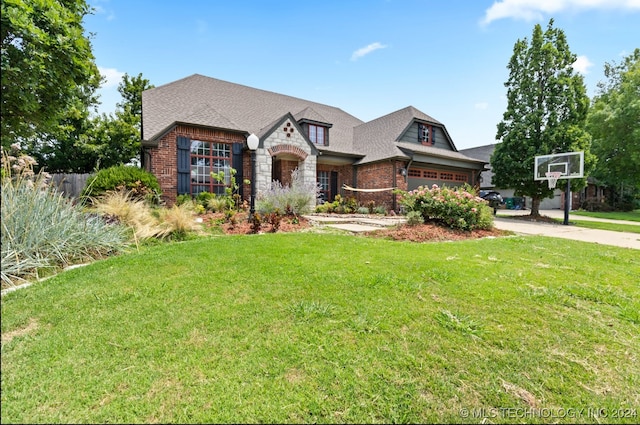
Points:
point(198, 125)
point(590, 194)
point(486, 182)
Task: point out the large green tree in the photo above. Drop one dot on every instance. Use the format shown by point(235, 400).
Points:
point(114, 139)
point(82, 144)
point(48, 67)
point(614, 124)
point(546, 113)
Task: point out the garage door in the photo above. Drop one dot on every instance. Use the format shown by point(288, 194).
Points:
point(427, 177)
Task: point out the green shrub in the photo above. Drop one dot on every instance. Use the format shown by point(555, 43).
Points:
point(203, 198)
point(414, 218)
point(380, 209)
point(219, 204)
point(363, 210)
point(458, 208)
point(42, 229)
point(139, 183)
point(183, 199)
point(325, 208)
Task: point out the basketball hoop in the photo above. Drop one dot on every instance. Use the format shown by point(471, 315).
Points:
point(552, 178)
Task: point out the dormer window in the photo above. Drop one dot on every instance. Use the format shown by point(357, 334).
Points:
point(317, 134)
point(426, 134)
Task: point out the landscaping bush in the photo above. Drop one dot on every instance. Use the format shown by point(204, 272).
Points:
point(414, 218)
point(178, 221)
point(340, 205)
point(458, 208)
point(41, 229)
point(184, 198)
point(295, 199)
point(145, 222)
point(220, 204)
point(139, 183)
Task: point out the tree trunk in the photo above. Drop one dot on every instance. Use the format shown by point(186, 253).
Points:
point(535, 207)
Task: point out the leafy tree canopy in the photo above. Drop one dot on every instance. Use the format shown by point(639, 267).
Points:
point(83, 144)
point(48, 67)
point(614, 124)
point(546, 113)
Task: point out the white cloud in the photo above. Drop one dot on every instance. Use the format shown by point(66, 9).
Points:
point(112, 76)
point(530, 10)
point(481, 106)
point(582, 65)
point(366, 50)
point(99, 10)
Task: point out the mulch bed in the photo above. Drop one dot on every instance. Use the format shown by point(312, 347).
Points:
point(532, 218)
point(242, 226)
point(433, 233)
point(420, 233)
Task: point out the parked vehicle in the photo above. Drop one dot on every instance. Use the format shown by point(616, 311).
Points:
point(494, 198)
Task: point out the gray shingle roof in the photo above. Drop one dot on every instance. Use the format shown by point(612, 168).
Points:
point(226, 105)
point(442, 153)
point(483, 153)
point(376, 138)
point(311, 115)
point(207, 101)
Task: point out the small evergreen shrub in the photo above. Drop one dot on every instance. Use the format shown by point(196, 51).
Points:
point(363, 210)
point(414, 218)
point(139, 183)
point(380, 209)
point(183, 199)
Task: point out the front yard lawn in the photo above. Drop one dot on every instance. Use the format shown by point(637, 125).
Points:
point(309, 327)
point(616, 215)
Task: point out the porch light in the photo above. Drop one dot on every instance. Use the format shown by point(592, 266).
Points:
point(252, 143)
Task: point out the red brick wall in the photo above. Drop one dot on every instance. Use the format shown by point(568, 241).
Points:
point(164, 157)
point(286, 168)
point(345, 176)
point(380, 175)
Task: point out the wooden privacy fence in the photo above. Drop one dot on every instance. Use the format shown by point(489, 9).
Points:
point(70, 184)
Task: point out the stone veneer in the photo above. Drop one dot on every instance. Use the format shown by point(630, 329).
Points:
point(286, 139)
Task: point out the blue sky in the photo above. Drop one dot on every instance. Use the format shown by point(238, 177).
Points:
point(447, 58)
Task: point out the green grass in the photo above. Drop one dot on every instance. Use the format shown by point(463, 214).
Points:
point(329, 328)
point(628, 216)
point(601, 225)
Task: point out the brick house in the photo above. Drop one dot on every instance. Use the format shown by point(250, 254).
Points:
point(198, 125)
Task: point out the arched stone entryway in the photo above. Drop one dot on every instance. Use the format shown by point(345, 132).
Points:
point(284, 159)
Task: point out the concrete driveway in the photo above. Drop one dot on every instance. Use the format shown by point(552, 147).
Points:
point(605, 237)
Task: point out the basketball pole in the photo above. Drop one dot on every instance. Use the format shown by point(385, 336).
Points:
point(567, 200)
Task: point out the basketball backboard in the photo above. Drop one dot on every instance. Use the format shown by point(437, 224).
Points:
point(570, 164)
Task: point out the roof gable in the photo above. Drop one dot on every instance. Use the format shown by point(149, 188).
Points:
point(379, 138)
point(244, 109)
point(310, 115)
point(266, 132)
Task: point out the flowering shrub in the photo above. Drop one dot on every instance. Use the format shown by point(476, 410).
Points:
point(458, 208)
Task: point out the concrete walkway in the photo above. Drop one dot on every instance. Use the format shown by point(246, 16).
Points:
point(355, 223)
point(358, 223)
